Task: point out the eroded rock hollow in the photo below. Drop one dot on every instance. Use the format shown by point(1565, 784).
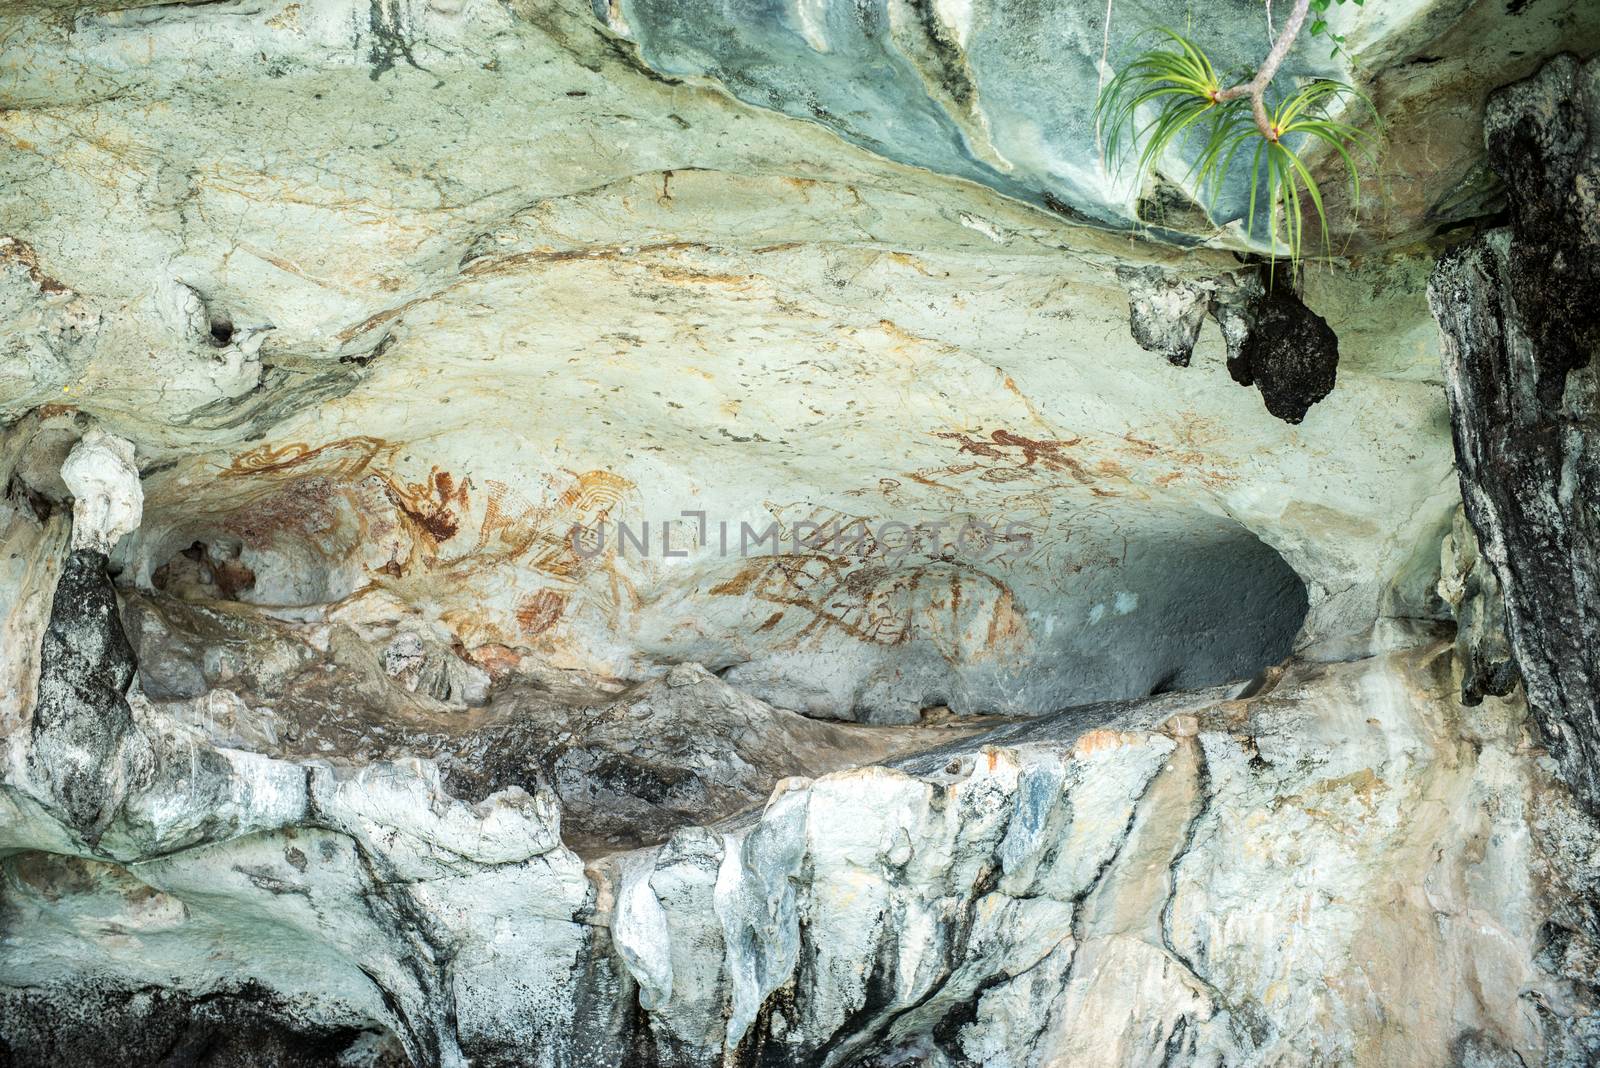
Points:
point(686, 534)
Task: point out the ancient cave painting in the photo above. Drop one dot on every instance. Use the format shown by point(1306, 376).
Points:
point(1031, 450)
point(294, 507)
point(424, 517)
point(1002, 456)
point(344, 459)
point(964, 612)
point(538, 536)
point(1016, 457)
point(540, 611)
point(542, 532)
point(1195, 435)
point(432, 507)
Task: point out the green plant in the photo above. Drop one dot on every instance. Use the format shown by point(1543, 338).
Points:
point(1177, 84)
point(1319, 25)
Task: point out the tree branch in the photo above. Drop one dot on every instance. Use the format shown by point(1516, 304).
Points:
point(1256, 88)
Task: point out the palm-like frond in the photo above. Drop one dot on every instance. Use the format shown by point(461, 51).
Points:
point(1179, 82)
point(1176, 85)
point(1302, 119)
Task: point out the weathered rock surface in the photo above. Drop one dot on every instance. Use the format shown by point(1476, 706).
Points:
point(1347, 866)
point(1467, 583)
point(1111, 885)
point(983, 689)
point(84, 746)
point(678, 750)
point(1003, 92)
point(1522, 325)
point(1274, 341)
point(1287, 352)
point(1165, 311)
point(567, 291)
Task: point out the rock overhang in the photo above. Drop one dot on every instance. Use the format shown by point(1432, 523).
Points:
point(788, 335)
point(493, 277)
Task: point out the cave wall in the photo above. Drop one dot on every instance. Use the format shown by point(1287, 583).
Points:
point(1111, 885)
point(369, 371)
point(326, 325)
point(1517, 306)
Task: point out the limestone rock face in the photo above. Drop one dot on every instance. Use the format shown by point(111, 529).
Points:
point(802, 343)
point(1110, 885)
point(1003, 91)
point(1467, 583)
point(678, 534)
point(1522, 327)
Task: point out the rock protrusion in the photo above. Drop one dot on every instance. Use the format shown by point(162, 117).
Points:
point(1521, 322)
point(1285, 350)
point(85, 749)
point(1468, 585)
point(1274, 341)
point(1165, 311)
point(107, 500)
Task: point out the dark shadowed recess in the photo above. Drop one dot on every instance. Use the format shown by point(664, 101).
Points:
point(98, 1022)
